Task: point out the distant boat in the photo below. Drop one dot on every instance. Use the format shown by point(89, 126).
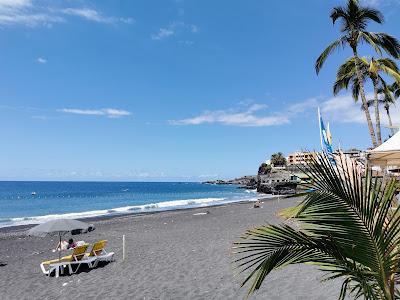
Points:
point(33, 193)
point(125, 190)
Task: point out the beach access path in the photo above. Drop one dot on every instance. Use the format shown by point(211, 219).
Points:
point(182, 254)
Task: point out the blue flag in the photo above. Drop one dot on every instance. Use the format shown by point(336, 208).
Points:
point(326, 138)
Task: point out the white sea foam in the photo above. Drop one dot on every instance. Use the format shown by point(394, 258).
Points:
point(151, 207)
point(251, 191)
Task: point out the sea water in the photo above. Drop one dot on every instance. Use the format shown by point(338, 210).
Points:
point(32, 202)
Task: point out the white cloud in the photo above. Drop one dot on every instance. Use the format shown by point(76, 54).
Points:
point(30, 20)
point(107, 112)
point(371, 2)
point(95, 16)
point(127, 20)
point(343, 109)
point(163, 33)
point(380, 3)
point(87, 13)
point(116, 113)
point(173, 29)
point(248, 115)
point(29, 13)
point(41, 60)
point(10, 4)
point(14, 12)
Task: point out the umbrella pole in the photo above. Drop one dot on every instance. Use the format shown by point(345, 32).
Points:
point(59, 250)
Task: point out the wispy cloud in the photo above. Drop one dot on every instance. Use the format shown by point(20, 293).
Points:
point(343, 109)
point(248, 115)
point(41, 60)
point(339, 109)
point(371, 2)
point(107, 112)
point(13, 12)
point(34, 13)
point(87, 13)
point(94, 15)
point(163, 33)
point(15, 3)
point(24, 13)
point(381, 3)
point(174, 28)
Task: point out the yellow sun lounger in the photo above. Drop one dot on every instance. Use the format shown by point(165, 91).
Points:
point(99, 253)
point(76, 258)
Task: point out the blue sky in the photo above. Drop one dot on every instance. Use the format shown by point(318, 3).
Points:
point(167, 90)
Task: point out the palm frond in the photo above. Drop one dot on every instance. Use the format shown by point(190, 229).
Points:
point(372, 14)
point(388, 43)
point(338, 13)
point(371, 39)
point(271, 247)
point(324, 55)
point(355, 89)
point(346, 226)
point(395, 88)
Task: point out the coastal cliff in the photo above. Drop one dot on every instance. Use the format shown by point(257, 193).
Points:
point(274, 181)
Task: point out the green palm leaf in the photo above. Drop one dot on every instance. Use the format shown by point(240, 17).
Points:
point(328, 51)
point(346, 226)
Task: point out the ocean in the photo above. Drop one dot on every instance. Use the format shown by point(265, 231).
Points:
point(33, 202)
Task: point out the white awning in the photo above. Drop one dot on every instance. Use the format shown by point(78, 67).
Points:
point(387, 154)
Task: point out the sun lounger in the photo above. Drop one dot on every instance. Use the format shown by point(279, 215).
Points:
point(76, 258)
point(99, 253)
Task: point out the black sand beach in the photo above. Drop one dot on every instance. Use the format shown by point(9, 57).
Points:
point(169, 255)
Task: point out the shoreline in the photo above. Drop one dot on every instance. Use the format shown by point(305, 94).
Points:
point(137, 200)
point(15, 229)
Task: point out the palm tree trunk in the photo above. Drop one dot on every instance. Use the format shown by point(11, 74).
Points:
point(377, 116)
point(390, 120)
point(364, 100)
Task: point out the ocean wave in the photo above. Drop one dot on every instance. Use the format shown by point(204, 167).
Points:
point(252, 191)
point(151, 207)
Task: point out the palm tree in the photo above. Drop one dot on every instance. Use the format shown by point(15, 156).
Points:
point(347, 74)
point(277, 159)
point(387, 98)
point(355, 19)
point(346, 226)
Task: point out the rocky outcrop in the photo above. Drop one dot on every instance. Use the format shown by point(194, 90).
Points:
point(281, 188)
point(264, 188)
point(277, 182)
point(249, 182)
point(273, 181)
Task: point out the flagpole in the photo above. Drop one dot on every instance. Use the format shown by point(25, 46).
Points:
point(320, 129)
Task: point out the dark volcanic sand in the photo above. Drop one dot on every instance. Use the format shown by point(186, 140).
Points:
point(170, 255)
